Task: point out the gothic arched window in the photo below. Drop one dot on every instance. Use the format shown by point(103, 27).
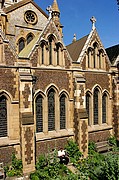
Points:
point(51, 110)
point(63, 112)
point(21, 44)
point(50, 50)
point(39, 114)
point(96, 106)
point(29, 38)
point(42, 52)
point(104, 108)
point(88, 104)
point(3, 116)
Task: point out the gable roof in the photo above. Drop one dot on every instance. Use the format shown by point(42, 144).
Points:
point(22, 3)
point(27, 51)
point(76, 47)
point(113, 53)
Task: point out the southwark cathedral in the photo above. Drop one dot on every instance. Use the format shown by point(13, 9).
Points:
point(49, 92)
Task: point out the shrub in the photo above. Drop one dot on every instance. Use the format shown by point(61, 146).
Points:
point(73, 151)
point(15, 169)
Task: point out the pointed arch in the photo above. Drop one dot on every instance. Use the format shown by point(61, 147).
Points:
point(21, 44)
point(51, 41)
point(96, 105)
point(51, 109)
point(39, 113)
point(104, 107)
point(29, 37)
point(88, 106)
point(59, 48)
point(3, 116)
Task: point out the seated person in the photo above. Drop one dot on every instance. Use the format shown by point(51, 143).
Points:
point(63, 157)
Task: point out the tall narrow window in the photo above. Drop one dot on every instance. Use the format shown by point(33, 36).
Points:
point(42, 53)
point(94, 59)
point(29, 38)
point(39, 114)
point(21, 44)
point(3, 116)
point(62, 112)
point(96, 105)
point(88, 98)
point(57, 55)
point(104, 108)
point(51, 110)
point(50, 50)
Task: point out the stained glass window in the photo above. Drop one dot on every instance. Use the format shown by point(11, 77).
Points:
point(51, 110)
point(104, 111)
point(62, 112)
point(3, 116)
point(96, 105)
point(39, 114)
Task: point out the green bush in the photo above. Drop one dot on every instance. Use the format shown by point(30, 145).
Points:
point(15, 169)
point(73, 151)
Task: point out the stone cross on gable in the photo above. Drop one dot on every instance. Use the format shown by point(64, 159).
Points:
point(49, 9)
point(93, 20)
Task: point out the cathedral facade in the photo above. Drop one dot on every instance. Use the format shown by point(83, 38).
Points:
point(49, 92)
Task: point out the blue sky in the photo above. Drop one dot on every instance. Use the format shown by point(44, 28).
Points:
point(75, 17)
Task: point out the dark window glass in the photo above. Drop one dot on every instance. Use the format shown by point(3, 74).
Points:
point(50, 50)
point(29, 38)
point(95, 105)
point(42, 52)
point(62, 112)
point(87, 106)
point(94, 58)
point(57, 55)
point(3, 116)
point(21, 44)
point(51, 110)
point(104, 112)
point(39, 114)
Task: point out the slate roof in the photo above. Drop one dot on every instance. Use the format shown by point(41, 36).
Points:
point(76, 47)
point(113, 53)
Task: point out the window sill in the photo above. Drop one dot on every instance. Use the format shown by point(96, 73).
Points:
point(5, 141)
point(101, 127)
point(54, 134)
